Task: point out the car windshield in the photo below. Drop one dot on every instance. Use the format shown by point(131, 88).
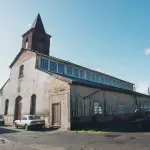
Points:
point(1, 116)
point(34, 117)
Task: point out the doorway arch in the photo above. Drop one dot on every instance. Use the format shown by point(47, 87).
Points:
point(18, 108)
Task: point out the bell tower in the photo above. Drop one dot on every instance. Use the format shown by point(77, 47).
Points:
point(36, 39)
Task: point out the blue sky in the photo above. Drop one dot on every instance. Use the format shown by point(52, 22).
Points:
point(111, 36)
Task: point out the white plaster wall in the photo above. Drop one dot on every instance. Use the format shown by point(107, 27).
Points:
point(39, 83)
point(10, 90)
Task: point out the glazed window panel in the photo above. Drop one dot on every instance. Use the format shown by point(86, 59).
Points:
point(97, 78)
point(116, 83)
point(102, 79)
point(93, 77)
point(121, 109)
point(88, 75)
point(61, 68)
point(113, 82)
point(82, 74)
point(105, 80)
point(98, 108)
point(44, 64)
point(53, 66)
point(69, 70)
point(76, 72)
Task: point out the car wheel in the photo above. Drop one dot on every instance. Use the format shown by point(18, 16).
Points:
point(16, 126)
point(26, 127)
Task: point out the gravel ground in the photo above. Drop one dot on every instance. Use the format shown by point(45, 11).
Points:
point(12, 139)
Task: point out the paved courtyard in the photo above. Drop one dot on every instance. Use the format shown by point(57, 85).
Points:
point(12, 139)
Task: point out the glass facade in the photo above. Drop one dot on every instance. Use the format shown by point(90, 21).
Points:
point(54, 66)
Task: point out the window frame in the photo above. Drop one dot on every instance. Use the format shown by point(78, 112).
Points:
point(68, 66)
point(78, 72)
point(43, 64)
point(94, 77)
point(63, 68)
point(99, 109)
point(121, 109)
point(82, 71)
point(89, 74)
point(51, 61)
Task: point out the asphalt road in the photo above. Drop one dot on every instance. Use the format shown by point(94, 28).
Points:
point(12, 139)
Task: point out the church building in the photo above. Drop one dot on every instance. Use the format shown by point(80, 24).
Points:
point(60, 91)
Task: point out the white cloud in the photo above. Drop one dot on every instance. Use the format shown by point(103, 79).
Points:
point(99, 69)
point(147, 51)
point(142, 87)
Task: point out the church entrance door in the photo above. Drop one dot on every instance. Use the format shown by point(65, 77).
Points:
point(56, 114)
point(18, 108)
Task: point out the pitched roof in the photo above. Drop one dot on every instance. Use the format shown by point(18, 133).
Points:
point(18, 55)
point(16, 58)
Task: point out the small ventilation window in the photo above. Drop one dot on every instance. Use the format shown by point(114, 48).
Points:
point(21, 69)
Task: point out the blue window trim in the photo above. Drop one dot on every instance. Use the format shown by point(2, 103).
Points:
point(44, 64)
point(94, 77)
point(71, 70)
point(83, 74)
point(51, 61)
point(88, 77)
point(63, 72)
point(76, 69)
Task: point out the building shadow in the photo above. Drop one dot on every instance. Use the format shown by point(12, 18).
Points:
point(6, 130)
point(45, 129)
point(116, 125)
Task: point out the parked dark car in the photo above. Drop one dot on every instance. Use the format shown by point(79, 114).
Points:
point(142, 121)
point(2, 120)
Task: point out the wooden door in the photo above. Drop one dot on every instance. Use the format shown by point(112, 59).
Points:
point(56, 114)
point(19, 110)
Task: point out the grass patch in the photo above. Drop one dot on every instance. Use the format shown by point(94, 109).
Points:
point(91, 131)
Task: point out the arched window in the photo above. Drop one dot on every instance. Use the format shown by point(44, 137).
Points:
point(6, 107)
point(21, 70)
point(33, 105)
point(26, 44)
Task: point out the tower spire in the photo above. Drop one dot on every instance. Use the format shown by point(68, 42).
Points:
point(38, 24)
point(36, 39)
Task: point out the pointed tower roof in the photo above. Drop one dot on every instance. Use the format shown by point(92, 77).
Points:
point(38, 24)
